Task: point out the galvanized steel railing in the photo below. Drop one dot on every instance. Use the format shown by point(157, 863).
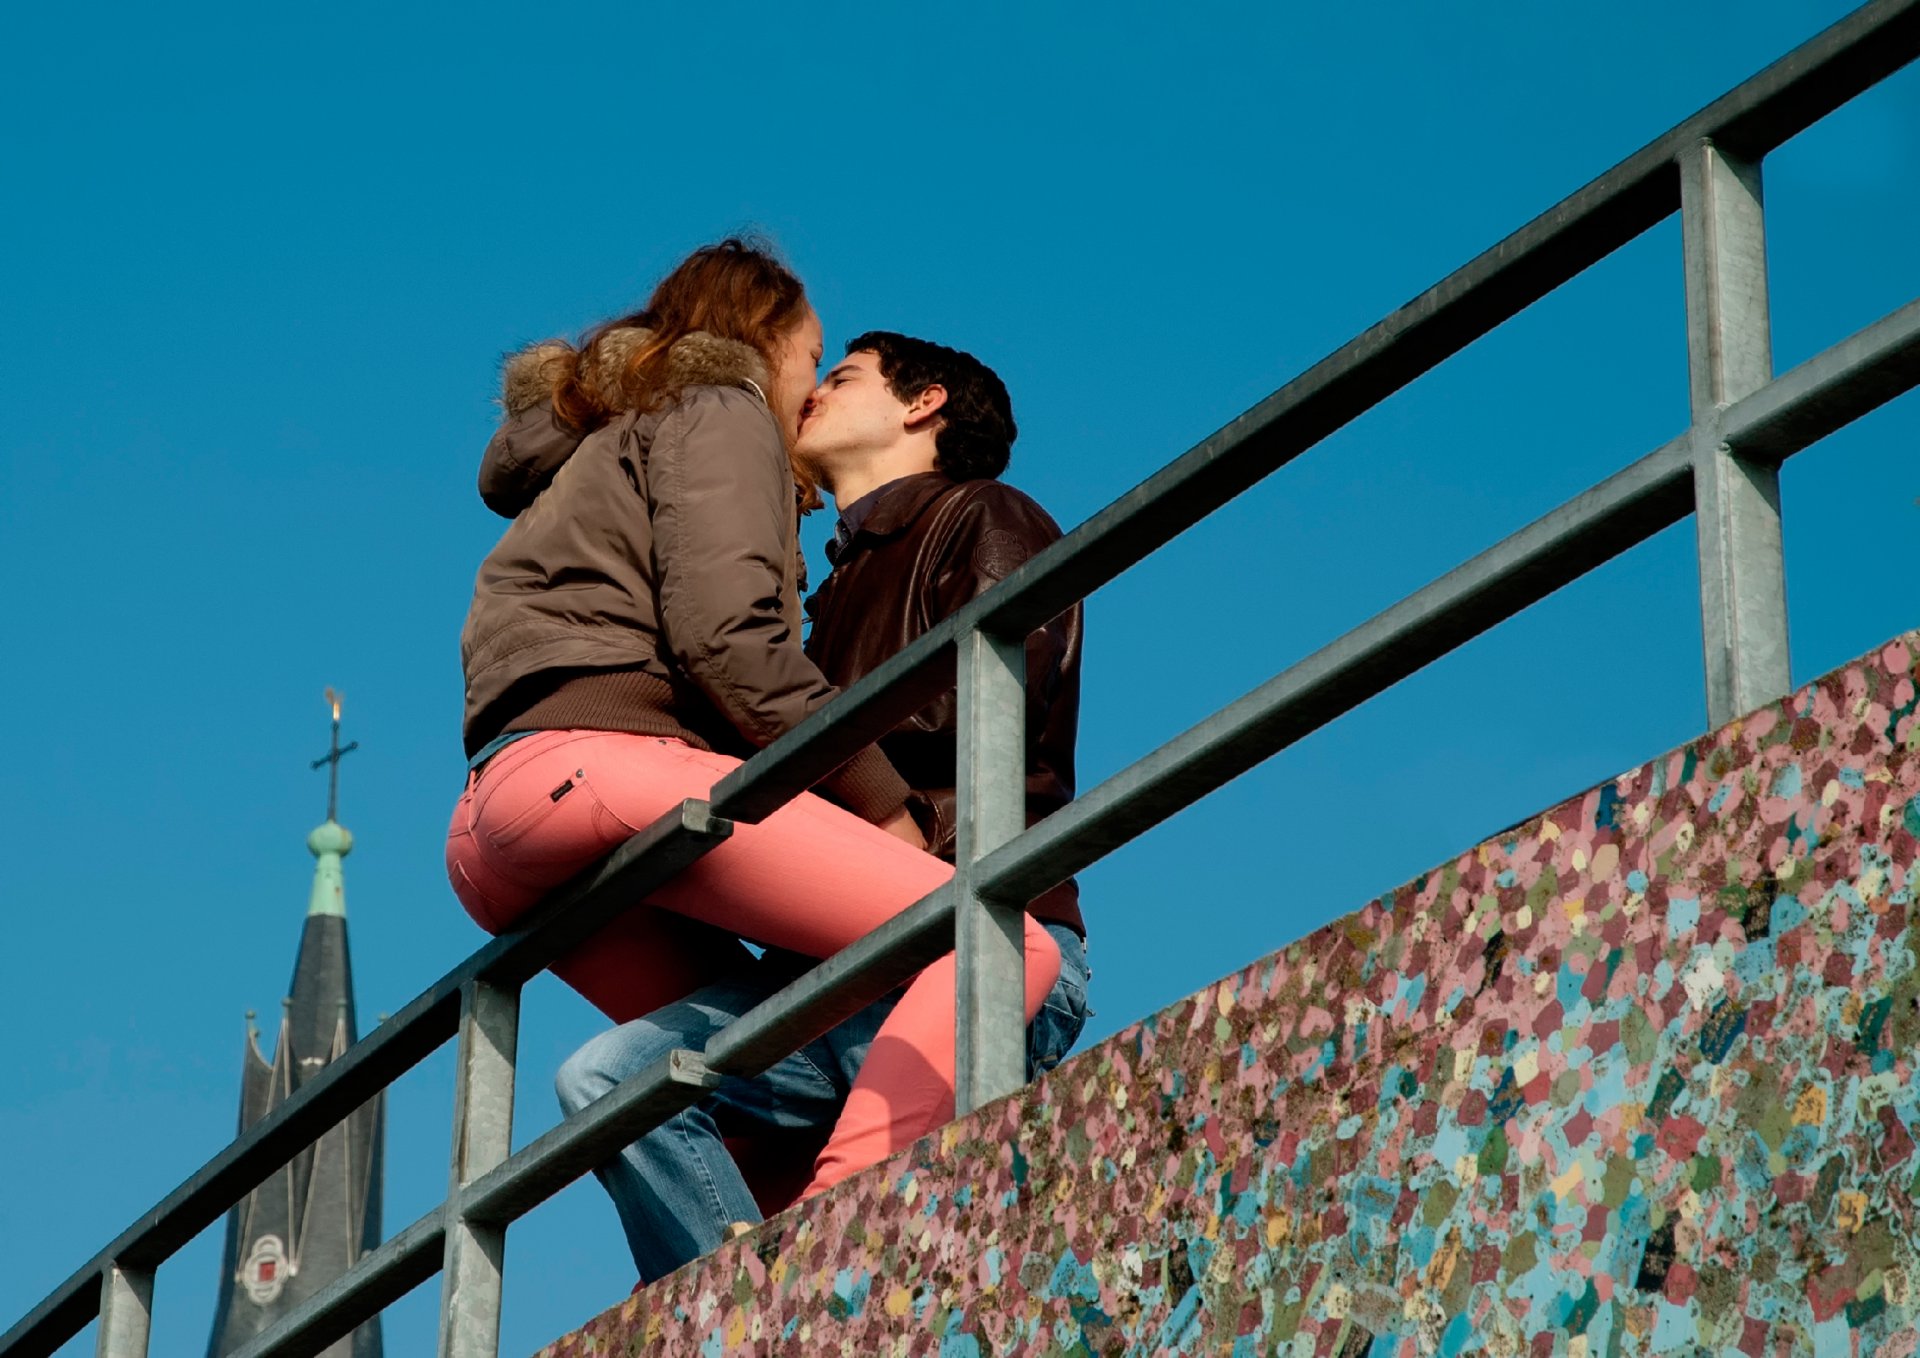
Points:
point(1724, 468)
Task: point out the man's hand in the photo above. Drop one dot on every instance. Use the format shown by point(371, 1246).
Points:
point(903, 826)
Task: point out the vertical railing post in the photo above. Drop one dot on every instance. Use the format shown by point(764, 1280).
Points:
point(482, 1139)
point(989, 935)
point(126, 1312)
point(1743, 596)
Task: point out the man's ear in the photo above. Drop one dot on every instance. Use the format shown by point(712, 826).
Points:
point(924, 407)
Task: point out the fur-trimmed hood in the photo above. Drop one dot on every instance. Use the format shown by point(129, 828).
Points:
point(696, 360)
point(531, 445)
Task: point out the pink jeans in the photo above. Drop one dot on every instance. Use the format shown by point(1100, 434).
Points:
point(810, 878)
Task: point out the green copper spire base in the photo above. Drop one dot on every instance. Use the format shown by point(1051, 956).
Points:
point(329, 843)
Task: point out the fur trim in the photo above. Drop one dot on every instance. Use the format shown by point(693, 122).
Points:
point(605, 365)
point(696, 360)
point(529, 375)
point(701, 360)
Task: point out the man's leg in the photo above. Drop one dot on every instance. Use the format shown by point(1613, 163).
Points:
point(675, 1189)
point(679, 1187)
point(1057, 1026)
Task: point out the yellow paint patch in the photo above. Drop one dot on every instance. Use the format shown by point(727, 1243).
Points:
point(1526, 1067)
point(899, 1302)
point(1850, 1211)
point(1564, 1185)
point(1810, 1108)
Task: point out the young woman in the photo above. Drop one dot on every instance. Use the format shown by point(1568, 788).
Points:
point(636, 633)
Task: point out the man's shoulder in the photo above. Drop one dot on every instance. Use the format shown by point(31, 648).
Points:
point(982, 505)
point(994, 528)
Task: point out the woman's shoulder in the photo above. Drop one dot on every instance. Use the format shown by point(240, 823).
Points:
point(719, 410)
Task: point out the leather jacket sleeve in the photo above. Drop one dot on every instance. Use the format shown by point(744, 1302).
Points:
point(993, 535)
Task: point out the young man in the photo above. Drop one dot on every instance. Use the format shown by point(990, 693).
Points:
point(909, 438)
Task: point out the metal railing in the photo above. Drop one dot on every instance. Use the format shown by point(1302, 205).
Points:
point(1724, 468)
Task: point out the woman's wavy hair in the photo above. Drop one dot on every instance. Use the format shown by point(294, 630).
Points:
point(735, 289)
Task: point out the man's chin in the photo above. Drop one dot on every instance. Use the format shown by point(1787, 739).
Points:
point(805, 455)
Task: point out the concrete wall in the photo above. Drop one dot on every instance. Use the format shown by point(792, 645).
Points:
point(1635, 1077)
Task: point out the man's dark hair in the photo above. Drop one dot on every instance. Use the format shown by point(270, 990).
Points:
point(976, 433)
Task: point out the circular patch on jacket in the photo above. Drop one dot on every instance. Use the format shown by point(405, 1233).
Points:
point(999, 554)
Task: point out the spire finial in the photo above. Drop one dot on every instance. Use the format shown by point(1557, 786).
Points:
point(332, 758)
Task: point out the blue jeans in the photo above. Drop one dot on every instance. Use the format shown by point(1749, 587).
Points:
point(677, 1188)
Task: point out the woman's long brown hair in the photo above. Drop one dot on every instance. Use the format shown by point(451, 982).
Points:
point(734, 290)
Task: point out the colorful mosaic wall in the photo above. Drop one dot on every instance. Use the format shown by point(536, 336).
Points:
point(1634, 1078)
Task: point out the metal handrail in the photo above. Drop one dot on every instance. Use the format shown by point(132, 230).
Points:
point(1745, 423)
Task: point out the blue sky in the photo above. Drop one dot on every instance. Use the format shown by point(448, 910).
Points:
point(258, 273)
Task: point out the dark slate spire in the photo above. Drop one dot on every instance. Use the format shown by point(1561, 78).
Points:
point(307, 1224)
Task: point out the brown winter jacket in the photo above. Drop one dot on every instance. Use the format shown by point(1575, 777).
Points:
point(650, 581)
point(927, 546)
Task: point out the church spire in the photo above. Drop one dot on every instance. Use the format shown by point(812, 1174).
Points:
point(307, 1223)
point(331, 841)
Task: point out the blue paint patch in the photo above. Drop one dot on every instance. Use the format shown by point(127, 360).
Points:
point(1833, 1338)
point(1675, 1328)
point(959, 1346)
point(1755, 962)
point(1071, 1278)
point(1719, 797)
point(1636, 880)
point(1566, 988)
point(1683, 915)
point(1786, 783)
point(849, 1294)
point(1607, 814)
point(1455, 1337)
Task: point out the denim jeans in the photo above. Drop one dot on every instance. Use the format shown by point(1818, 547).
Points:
point(677, 1188)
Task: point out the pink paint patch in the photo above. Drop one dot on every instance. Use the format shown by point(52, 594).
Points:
point(1680, 1137)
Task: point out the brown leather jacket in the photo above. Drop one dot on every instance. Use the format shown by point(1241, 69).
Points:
point(650, 581)
point(928, 546)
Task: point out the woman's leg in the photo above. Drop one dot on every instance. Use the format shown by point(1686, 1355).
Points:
point(905, 1088)
point(810, 878)
point(512, 841)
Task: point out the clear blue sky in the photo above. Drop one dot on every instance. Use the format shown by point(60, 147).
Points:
point(258, 273)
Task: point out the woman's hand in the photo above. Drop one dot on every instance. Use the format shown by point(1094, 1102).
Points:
point(903, 826)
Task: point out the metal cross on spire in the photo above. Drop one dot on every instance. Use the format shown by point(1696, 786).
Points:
point(333, 757)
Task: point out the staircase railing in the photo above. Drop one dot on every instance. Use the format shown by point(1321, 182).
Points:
point(1724, 468)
